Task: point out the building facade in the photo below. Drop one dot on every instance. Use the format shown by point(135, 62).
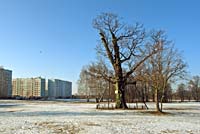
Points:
point(28, 87)
point(59, 88)
point(5, 83)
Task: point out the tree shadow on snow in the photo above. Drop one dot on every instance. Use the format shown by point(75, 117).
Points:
point(9, 105)
point(55, 113)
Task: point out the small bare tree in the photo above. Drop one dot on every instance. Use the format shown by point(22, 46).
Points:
point(90, 85)
point(181, 91)
point(195, 88)
point(82, 82)
point(164, 67)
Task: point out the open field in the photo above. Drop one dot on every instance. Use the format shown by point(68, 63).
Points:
point(42, 117)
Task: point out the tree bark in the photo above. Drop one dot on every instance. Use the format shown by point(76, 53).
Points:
point(123, 100)
point(120, 96)
point(157, 101)
point(117, 92)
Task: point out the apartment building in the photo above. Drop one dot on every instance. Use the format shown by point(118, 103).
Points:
point(59, 88)
point(28, 87)
point(5, 83)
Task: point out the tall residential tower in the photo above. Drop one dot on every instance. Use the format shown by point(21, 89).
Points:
point(5, 83)
point(59, 88)
point(29, 87)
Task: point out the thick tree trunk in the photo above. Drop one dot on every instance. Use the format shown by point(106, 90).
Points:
point(123, 100)
point(120, 96)
point(117, 99)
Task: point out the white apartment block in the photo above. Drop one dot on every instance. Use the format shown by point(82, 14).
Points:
point(5, 83)
point(59, 88)
point(28, 87)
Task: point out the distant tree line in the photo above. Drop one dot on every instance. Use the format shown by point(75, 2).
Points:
point(189, 91)
point(141, 92)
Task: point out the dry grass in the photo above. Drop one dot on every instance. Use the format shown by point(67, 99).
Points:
point(91, 124)
point(60, 128)
point(177, 109)
point(156, 113)
point(15, 110)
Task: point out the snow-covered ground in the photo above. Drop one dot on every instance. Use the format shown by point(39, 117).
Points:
point(57, 117)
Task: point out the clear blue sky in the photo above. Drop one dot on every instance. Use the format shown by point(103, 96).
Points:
point(55, 38)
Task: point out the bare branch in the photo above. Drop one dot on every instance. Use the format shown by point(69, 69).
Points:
point(107, 48)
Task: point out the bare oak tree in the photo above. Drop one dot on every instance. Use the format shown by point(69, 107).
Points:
point(164, 67)
point(123, 47)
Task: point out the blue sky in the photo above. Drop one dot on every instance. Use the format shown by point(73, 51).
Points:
point(55, 38)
